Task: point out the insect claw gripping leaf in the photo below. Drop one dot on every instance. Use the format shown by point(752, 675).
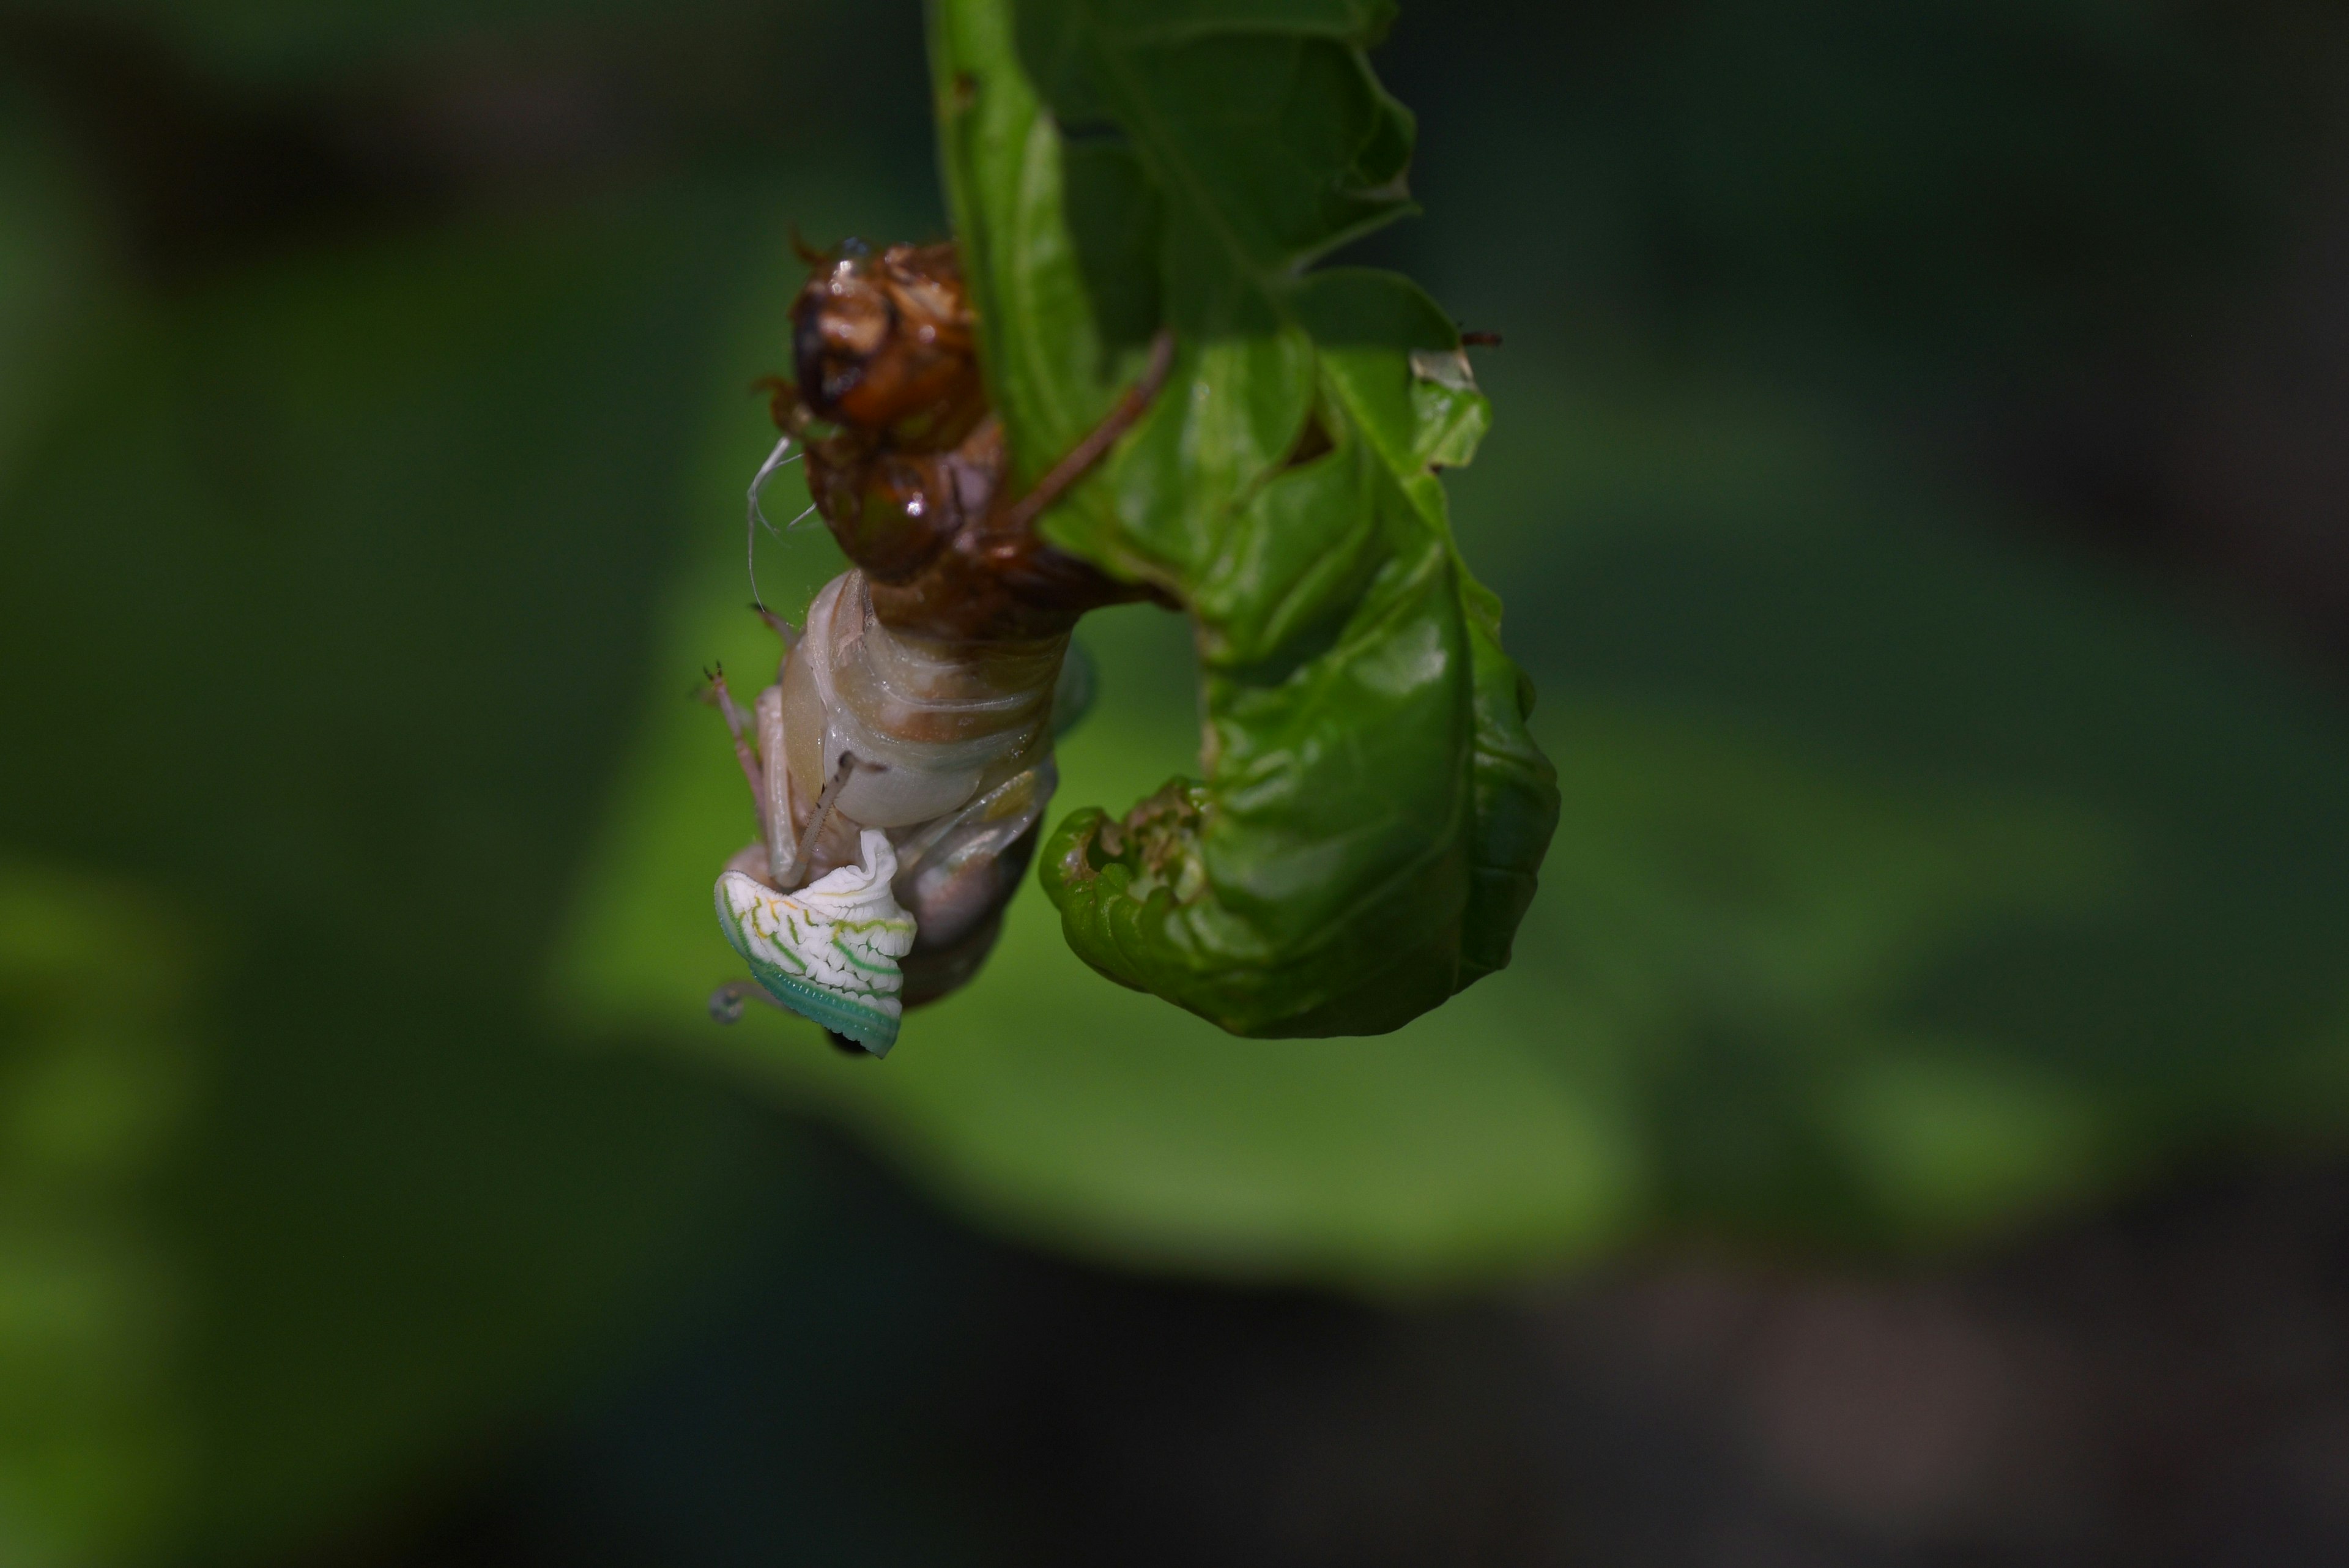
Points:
point(1374, 810)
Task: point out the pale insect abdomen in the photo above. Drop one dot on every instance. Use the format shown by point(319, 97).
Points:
point(939, 751)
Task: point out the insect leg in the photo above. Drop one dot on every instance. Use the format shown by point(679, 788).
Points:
point(781, 628)
point(738, 725)
point(727, 1001)
point(793, 875)
point(1090, 451)
point(956, 874)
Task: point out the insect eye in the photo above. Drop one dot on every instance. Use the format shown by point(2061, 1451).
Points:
point(825, 374)
point(838, 329)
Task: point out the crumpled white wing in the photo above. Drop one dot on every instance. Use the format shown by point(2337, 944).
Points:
point(829, 951)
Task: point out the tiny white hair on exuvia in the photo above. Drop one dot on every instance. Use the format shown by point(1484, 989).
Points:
point(757, 519)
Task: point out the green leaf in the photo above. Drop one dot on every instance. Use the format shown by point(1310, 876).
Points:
point(1374, 810)
point(317, 585)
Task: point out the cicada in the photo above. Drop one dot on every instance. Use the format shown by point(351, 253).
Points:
point(902, 760)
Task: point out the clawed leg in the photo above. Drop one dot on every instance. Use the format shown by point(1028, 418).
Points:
point(955, 876)
point(781, 628)
point(791, 877)
point(738, 725)
point(1063, 475)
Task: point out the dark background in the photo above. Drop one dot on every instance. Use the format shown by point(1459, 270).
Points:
point(1913, 1129)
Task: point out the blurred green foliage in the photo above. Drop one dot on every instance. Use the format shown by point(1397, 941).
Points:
point(95, 1088)
point(317, 641)
point(1915, 879)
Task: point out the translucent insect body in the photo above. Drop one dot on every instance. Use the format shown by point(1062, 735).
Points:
point(902, 759)
point(831, 949)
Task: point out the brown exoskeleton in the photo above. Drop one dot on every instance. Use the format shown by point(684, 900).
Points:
point(905, 746)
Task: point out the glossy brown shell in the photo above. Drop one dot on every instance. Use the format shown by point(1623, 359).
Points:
point(905, 461)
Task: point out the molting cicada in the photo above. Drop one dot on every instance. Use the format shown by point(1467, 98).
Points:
point(902, 760)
